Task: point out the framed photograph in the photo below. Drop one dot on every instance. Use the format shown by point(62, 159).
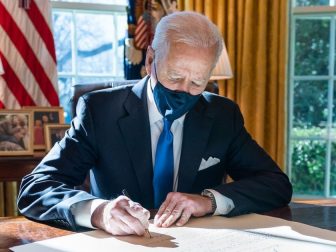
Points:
point(54, 133)
point(16, 132)
point(41, 117)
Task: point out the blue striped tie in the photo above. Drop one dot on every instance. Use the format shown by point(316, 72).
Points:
point(164, 164)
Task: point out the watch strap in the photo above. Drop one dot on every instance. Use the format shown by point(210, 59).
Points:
point(210, 195)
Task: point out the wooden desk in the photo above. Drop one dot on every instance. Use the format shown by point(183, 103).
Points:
point(14, 168)
point(317, 213)
point(18, 230)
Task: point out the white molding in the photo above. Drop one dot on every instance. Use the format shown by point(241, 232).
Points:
point(89, 75)
point(330, 107)
point(88, 6)
point(313, 138)
point(314, 10)
point(312, 78)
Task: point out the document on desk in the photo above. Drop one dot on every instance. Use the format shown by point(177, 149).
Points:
point(250, 232)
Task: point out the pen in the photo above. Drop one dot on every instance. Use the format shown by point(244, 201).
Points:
point(125, 193)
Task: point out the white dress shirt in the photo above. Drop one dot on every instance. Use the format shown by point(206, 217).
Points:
point(82, 211)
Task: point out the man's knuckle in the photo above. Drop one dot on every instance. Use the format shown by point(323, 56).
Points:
point(179, 195)
point(186, 215)
point(170, 195)
point(167, 211)
point(111, 230)
point(118, 203)
point(140, 232)
point(183, 196)
point(176, 211)
point(163, 206)
point(131, 222)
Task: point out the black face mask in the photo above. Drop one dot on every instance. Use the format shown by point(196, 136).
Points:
point(172, 104)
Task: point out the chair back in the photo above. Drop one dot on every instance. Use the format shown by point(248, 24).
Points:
point(79, 89)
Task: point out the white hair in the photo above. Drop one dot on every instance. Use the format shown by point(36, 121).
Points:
point(186, 27)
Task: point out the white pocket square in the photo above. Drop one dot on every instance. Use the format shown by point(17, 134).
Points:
point(207, 163)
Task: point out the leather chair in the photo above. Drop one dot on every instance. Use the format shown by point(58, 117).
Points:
point(79, 89)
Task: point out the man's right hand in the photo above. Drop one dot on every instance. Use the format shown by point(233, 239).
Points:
point(121, 216)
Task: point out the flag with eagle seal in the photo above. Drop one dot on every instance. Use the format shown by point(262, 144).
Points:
point(142, 18)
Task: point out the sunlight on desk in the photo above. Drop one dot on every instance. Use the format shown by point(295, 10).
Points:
point(251, 232)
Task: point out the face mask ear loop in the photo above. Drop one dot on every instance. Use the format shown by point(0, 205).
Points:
point(155, 75)
point(155, 71)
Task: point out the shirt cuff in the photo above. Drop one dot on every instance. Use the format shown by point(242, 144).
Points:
point(82, 211)
point(224, 204)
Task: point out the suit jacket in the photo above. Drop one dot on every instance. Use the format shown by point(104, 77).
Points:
point(110, 137)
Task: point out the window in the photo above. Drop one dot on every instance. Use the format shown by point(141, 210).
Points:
point(312, 114)
point(89, 37)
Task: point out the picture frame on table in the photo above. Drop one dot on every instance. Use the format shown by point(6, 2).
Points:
point(16, 132)
point(54, 133)
point(41, 117)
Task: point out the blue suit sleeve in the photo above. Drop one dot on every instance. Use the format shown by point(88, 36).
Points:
point(48, 193)
point(259, 184)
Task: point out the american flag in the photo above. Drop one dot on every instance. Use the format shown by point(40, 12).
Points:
point(27, 53)
point(142, 33)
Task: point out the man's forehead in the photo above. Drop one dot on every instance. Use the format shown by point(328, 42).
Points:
point(197, 75)
point(173, 71)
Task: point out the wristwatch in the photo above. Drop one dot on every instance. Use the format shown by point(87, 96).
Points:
point(207, 193)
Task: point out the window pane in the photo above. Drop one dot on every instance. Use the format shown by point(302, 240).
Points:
point(310, 111)
point(311, 2)
point(333, 170)
point(96, 37)
point(64, 92)
point(311, 46)
point(62, 24)
point(308, 167)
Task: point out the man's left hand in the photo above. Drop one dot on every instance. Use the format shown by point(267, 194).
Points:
point(179, 207)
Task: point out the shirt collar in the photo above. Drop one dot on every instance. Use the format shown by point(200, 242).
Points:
point(154, 113)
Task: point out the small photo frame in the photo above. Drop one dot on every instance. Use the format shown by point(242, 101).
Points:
point(54, 133)
point(16, 132)
point(41, 117)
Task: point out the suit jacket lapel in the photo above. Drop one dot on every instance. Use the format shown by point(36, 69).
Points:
point(196, 130)
point(136, 132)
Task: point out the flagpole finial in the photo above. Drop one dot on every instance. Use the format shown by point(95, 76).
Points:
point(24, 4)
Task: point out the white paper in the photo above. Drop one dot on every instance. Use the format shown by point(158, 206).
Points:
point(243, 233)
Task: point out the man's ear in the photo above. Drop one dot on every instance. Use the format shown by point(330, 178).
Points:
point(149, 59)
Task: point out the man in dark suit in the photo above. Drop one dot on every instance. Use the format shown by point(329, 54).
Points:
point(164, 140)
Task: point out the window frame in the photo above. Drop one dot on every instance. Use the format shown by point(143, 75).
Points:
point(70, 78)
point(91, 8)
point(310, 12)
